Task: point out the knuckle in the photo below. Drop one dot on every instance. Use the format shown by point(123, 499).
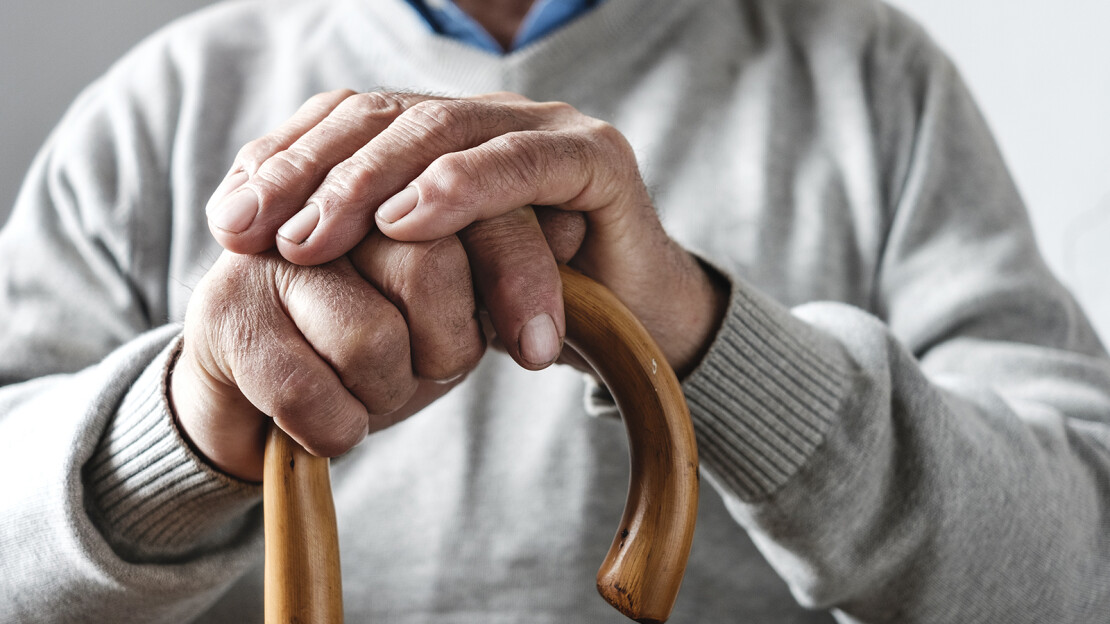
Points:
point(372, 105)
point(392, 397)
point(613, 149)
point(436, 122)
point(471, 353)
point(461, 356)
point(353, 181)
point(347, 437)
point(437, 112)
point(445, 256)
point(230, 281)
point(374, 361)
point(286, 170)
point(457, 181)
point(341, 435)
point(431, 270)
point(507, 96)
point(230, 307)
point(350, 352)
point(608, 136)
point(321, 409)
point(517, 161)
point(254, 153)
point(433, 283)
point(327, 97)
point(388, 393)
point(559, 110)
point(385, 341)
point(323, 102)
point(298, 396)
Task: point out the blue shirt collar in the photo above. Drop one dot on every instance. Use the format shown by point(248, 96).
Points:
point(545, 16)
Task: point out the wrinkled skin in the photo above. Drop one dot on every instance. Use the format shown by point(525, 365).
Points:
point(365, 233)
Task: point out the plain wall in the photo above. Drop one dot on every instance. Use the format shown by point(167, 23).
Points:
point(1040, 69)
point(49, 51)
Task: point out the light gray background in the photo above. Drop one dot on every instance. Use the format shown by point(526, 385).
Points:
point(1040, 69)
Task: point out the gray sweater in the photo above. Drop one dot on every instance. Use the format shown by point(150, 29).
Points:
point(904, 417)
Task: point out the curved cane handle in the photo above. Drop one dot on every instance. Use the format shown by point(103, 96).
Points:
point(643, 570)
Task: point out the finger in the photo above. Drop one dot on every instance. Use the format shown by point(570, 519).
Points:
point(431, 286)
point(426, 393)
point(567, 357)
point(253, 154)
point(518, 281)
point(499, 96)
point(247, 220)
point(251, 157)
point(571, 169)
point(357, 331)
point(262, 352)
point(563, 230)
point(340, 211)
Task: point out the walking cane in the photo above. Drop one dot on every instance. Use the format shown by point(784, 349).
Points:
point(640, 575)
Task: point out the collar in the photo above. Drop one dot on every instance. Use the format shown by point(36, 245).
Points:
point(545, 16)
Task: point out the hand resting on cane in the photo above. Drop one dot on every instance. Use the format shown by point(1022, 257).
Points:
point(313, 185)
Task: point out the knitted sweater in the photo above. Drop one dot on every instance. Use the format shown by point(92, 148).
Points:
point(904, 417)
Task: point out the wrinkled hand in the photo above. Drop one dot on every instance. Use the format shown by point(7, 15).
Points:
point(419, 168)
point(331, 352)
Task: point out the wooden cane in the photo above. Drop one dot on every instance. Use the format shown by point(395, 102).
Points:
point(643, 570)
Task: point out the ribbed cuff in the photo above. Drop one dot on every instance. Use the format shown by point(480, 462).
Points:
point(151, 496)
point(764, 395)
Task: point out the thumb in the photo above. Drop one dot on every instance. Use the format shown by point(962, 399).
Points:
point(517, 278)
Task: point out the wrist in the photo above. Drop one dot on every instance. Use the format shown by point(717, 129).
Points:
point(217, 422)
point(149, 496)
point(697, 316)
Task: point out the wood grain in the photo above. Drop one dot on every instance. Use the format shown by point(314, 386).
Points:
point(302, 579)
point(643, 570)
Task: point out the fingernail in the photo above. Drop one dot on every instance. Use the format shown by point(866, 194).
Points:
point(539, 341)
point(298, 228)
point(399, 205)
point(234, 180)
point(237, 211)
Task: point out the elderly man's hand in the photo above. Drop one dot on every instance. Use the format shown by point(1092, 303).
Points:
point(420, 168)
point(331, 352)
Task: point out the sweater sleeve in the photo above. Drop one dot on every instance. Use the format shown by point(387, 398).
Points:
point(943, 456)
point(105, 513)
